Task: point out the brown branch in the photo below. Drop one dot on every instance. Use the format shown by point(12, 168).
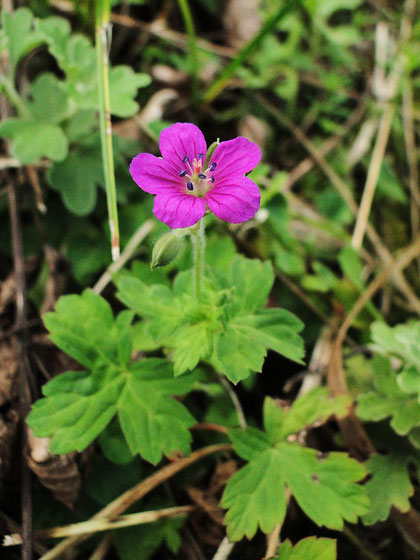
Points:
point(24, 368)
point(210, 426)
point(123, 502)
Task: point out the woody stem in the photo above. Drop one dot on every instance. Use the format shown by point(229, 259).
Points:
point(199, 243)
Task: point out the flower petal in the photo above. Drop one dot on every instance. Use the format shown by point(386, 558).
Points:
point(236, 200)
point(178, 210)
point(154, 175)
point(180, 140)
point(235, 157)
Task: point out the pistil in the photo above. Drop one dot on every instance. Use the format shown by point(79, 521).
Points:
point(194, 176)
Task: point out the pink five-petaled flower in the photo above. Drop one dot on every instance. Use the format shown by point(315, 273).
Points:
point(184, 189)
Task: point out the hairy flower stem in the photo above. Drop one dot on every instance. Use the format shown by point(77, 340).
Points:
point(198, 239)
point(102, 40)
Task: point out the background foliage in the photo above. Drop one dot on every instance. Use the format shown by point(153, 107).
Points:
point(291, 388)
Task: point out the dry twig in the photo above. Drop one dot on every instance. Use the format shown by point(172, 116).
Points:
point(128, 252)
point(123, 502)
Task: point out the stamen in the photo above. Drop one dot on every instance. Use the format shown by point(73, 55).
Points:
point(213, 166)
point(190, 186)
point(202, 176)
point(185, 159)
point(212, 178)
point(183, 172)
point(200, 156)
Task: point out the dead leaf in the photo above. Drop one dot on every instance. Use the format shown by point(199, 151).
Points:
point(242, 20)
point(59, 473)
point(8, 369)
point(168, 75)
point(254, 129)
point(208, 500)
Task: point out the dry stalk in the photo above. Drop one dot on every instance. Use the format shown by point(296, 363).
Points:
point(108, 524)
point(102, 549)
point(390, 87)
point(345, 193)
point(224, 549)
point(123, 502)
point(132, 245)
point(372, 177)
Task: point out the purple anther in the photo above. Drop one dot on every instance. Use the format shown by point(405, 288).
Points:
point(202, 176)
point(200, 156)
point(183, 172)
point(213, 166)
point(212, 178)
point(190, 186)
point(185, 159)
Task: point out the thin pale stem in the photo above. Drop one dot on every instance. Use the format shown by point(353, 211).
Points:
point(142, 232)
point(236, 402)
point(224, 550)
point(199, 244)
point(97, 525)
point(372, 177)
point(102, 39)
point(192, 45)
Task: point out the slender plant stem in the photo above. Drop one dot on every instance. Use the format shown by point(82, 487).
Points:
point(97, 525)
point(13, 96)
point(142, 232)
point(220, 83)
point(199, 244)
point(224, 549)
point(372, 177)
point(192, 46)
point(235, 401)
point(102, 40)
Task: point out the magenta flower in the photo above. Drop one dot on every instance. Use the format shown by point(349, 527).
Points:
point(184, 189)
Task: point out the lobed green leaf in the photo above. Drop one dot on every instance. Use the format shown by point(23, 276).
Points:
point(310, 548)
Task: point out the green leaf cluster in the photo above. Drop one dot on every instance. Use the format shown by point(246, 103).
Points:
point(390, 484)
point(49, 112)
point(228, 328)
point(396, 389)
point(401, 341)
point(78, 405)
point(324, 486)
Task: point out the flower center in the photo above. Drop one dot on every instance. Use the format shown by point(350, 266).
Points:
point(197, 181)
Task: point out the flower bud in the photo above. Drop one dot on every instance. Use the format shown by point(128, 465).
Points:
point(166, 249)
point(210, 151)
